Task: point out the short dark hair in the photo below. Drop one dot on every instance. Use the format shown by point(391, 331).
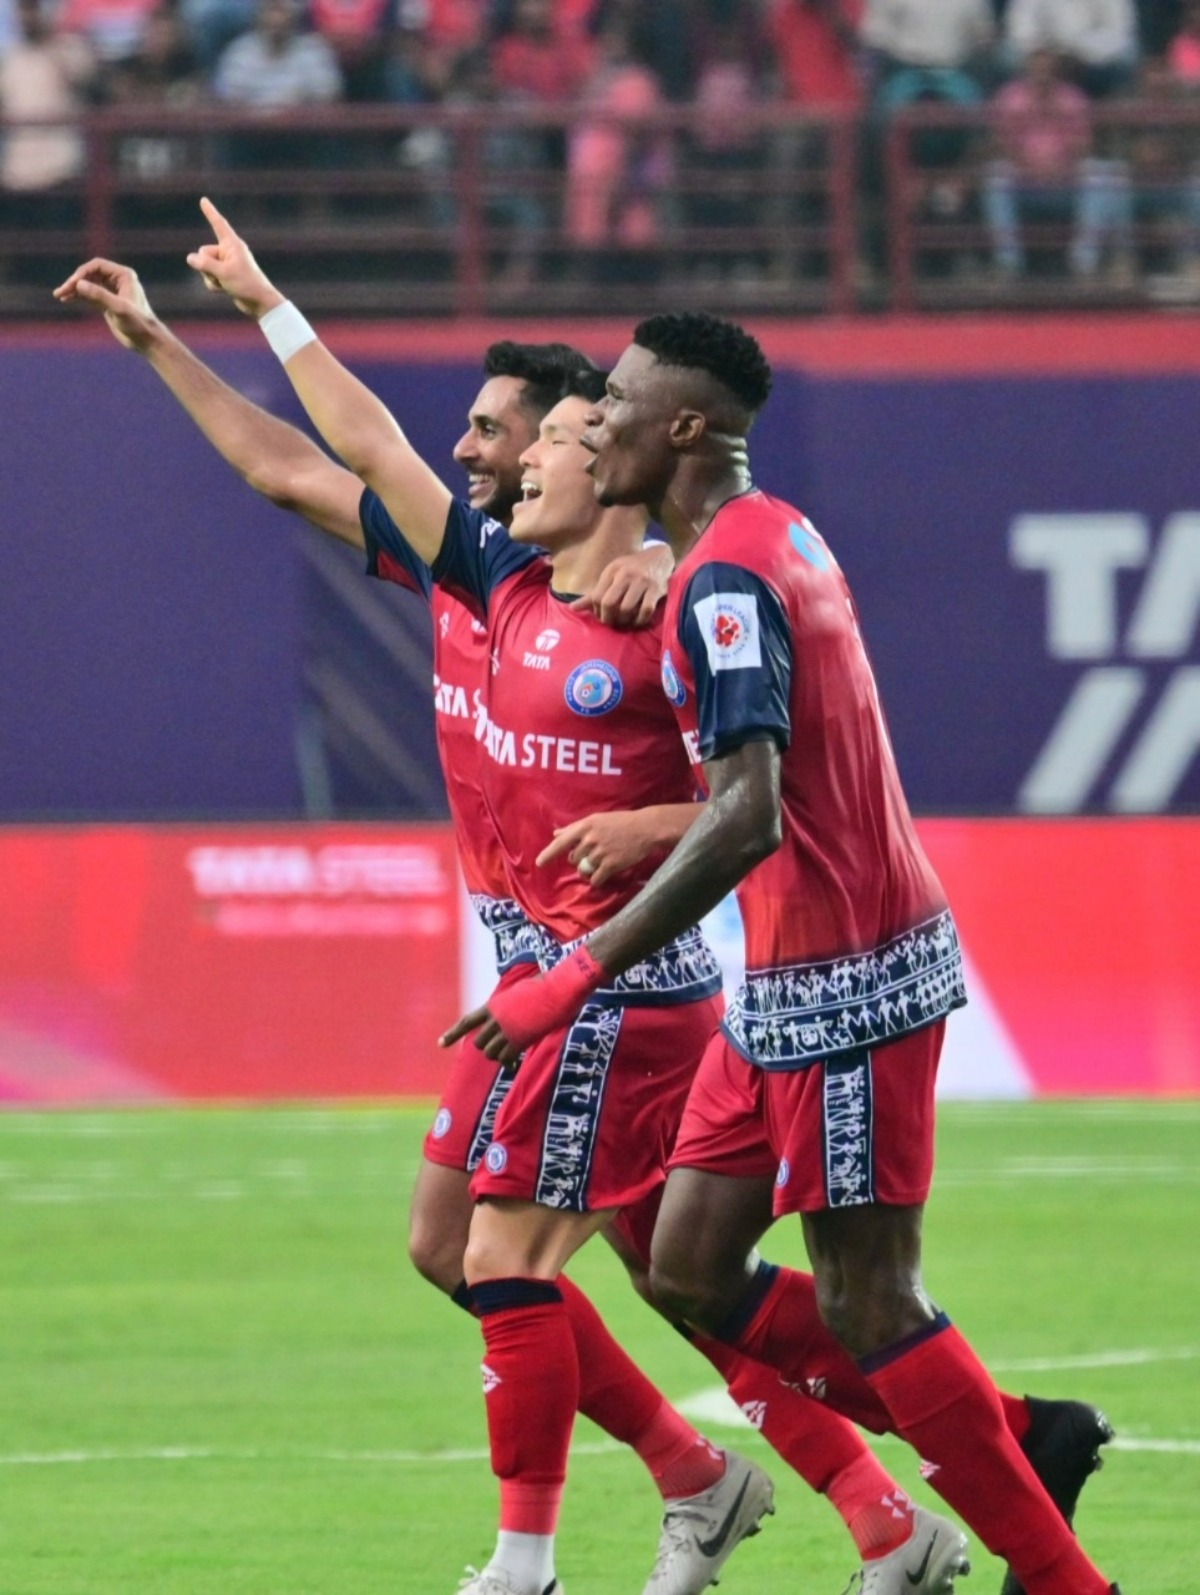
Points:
point(695, 339)
point(588, 383)
point(546, 369)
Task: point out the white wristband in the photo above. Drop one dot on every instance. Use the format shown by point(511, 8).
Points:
point(286, 330)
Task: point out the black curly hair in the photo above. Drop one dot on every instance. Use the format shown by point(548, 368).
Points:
point(703, 342)
point(547, 370)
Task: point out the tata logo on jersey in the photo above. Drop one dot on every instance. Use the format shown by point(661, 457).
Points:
point(1122, 704)
point(531, 751)
point(452, 700)
point(545, 641)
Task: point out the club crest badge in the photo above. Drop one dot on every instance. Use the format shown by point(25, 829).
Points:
point(674, 688)
point(441, 1125)
point(593, 688)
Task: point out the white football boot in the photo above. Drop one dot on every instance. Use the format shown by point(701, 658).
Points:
point(495, 1581)
point(701, 1532)
point(928, 1562)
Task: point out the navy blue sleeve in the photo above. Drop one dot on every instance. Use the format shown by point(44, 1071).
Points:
point(477, 554)
point(388, 555)
point(733, 628)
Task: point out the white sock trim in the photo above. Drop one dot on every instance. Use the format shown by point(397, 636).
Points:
point(286, 330)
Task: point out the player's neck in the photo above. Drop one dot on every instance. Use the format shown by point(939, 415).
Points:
point(698, 491)
point(576, 566)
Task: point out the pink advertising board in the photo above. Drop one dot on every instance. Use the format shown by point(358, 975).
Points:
point(158, 963)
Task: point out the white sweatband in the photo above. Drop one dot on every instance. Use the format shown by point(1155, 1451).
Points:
point(286, 330)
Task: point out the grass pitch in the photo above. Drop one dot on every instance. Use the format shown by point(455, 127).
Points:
point(220, 1374)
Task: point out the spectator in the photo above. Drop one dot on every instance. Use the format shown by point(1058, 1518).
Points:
point(213, 24)
point(616, 171)
point(816, 42)
point(540, 58)
point(726, 150)
point(1098, 38)
point(113, 28)
point(161, 77)
point(43, 74)
point(274, 65)
point(272, 68)
point(1045, 171)
point(665, 35)
point(1183, 58)
point(448, 30)
point(945, 45)
point(513, 162)
point(1166, 178)
point(355, 31)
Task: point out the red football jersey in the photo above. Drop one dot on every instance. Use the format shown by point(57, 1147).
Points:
point(576, 723)
point(848, 937)
point(460, 672)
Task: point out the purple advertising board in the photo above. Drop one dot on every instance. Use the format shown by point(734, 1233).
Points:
point(1025, 551)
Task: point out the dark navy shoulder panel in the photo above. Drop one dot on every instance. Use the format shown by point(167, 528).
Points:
point(388, 553)
point(735, 632)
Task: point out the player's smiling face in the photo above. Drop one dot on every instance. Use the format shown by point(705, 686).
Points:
point(498, 429)
point(628, 432)
point(557, 499)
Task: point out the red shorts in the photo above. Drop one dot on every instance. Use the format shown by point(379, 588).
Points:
point(590, 1118)
point(856, 1128)
point(462, 1127)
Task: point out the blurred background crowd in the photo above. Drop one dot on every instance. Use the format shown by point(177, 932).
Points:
point(1040, 69)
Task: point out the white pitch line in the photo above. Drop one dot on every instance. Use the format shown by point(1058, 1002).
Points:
point(175, 1453)
point(180, 1453)
point(1135, 1358)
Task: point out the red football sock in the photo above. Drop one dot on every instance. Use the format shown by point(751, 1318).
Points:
point(1016, 1415)
point(780, 1326)
point(531, 1381)
point(786, 1315)
point(945, 1405)
point(616, 1394)
point(824, 1448)
point(876, 1510)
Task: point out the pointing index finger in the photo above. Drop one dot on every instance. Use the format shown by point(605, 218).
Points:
point(216, 221)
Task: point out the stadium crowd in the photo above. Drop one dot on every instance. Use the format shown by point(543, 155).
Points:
point(1043, 64)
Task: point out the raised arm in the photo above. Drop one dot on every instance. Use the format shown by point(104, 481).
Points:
point(357, 426)
point(275, 458)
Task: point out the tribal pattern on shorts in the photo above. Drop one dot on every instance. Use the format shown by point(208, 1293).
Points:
point(848, 1131)
point(485, 1130)
point(573, 1121)
point(685, 970)
point(790, 1017)
point(515, 937)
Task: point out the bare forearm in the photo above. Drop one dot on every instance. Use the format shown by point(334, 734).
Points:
point(727, 838)
point(265, 450)
point(668, 823)
point(362, 432)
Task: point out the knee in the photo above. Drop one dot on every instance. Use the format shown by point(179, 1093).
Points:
point(684, 1294)
point(436, 1255)
point(867, 1312)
